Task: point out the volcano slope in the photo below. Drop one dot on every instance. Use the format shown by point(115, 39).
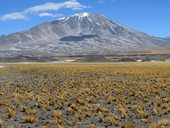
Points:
point(126, 95)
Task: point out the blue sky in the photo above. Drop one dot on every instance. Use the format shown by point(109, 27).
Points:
point(149, 16)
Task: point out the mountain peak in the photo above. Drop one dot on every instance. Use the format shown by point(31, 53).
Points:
point(79, 15)
point(85, 14)
point(82, 34)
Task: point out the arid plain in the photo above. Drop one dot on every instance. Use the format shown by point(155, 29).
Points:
point(85, 95)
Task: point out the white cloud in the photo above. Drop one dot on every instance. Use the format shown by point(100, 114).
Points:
point(13, 16)
point(75, 5)
point(41, 10)
point(45, 14)
point(71, 4)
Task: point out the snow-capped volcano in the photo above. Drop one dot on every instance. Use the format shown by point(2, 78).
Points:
point(83, 33)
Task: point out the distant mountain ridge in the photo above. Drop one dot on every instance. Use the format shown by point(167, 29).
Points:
point(82, 34)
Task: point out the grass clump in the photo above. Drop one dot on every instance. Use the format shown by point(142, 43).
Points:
point(29, 119)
